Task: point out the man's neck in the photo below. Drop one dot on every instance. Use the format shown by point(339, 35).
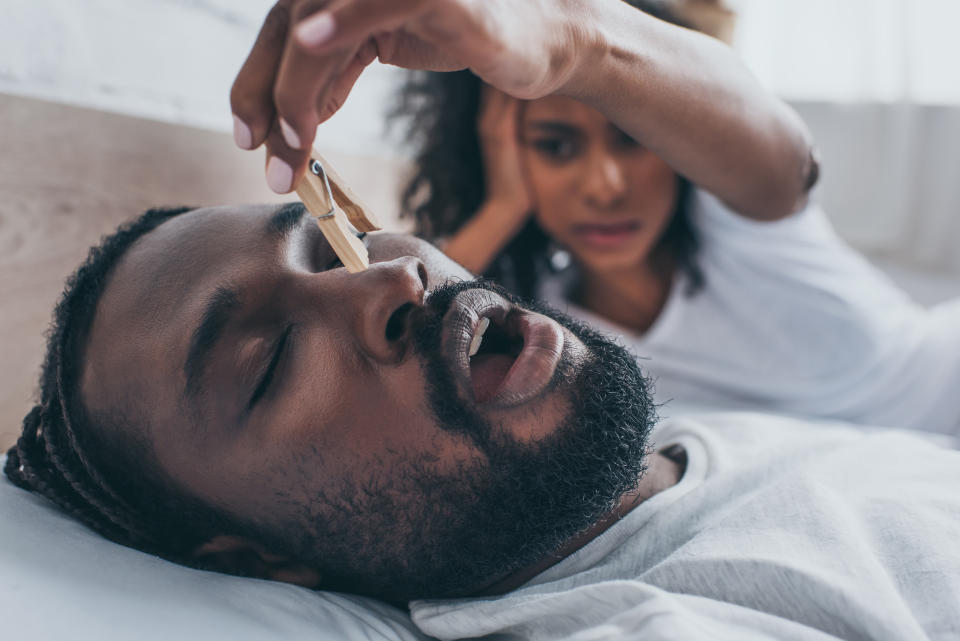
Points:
point(665, 470)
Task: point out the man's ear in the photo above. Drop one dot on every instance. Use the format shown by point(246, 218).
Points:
point(237, 555)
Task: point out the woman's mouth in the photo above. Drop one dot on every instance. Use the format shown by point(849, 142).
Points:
point(607, 235)
point(504, 356)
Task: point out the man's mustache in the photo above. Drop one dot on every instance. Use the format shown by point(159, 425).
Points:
point(427, 322)
point(441, 297)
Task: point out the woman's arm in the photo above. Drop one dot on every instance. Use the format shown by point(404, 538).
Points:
point(484, 236)
point(507, 203)
point(681, 94)
point(689, 99)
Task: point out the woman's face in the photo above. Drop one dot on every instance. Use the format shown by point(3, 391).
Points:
point(596, 190)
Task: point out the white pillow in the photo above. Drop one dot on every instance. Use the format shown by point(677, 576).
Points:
point(59, 580)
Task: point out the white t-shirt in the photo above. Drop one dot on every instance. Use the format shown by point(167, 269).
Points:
point(792, 319)
point(777, 530)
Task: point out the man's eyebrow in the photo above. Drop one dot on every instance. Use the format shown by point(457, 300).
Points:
point(285, 220)
point(217, 312)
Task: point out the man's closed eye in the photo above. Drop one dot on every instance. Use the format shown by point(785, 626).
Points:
point(277, 353)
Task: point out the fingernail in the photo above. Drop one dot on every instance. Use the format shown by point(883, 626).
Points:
point(242, 134)
point(279, 175)
point(289, 134)
point(316, 29)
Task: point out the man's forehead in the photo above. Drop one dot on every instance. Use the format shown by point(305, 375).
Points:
point(201, 234)
point(168, 263)
point(145, 312)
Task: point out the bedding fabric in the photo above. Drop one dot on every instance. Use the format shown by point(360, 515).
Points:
point(792, 320)
point(59, 580)
point(779, 529)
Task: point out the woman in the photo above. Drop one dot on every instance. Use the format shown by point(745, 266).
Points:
point(749, 307)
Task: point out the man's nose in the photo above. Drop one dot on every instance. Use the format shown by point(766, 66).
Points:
point(383, 296)
point(605, 183)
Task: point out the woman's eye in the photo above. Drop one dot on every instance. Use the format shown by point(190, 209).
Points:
point(555, 148)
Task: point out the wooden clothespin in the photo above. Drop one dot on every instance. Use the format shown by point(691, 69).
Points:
point(321, 189)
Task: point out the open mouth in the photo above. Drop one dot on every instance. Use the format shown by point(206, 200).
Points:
point(502, 355)
point(493, 351)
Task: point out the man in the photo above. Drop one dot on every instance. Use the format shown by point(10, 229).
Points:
point(226, 350)
point(218, 391)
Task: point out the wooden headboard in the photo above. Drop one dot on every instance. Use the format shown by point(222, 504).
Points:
point(68, 175)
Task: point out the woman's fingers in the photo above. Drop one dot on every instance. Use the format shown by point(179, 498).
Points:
point(348, 23)
point(504, 173)
point(437, 35)
point(313, 82)
point(498, 123)
point(303, 82)
point(512, 115)
point(329, 103)
point(284, 165)
point(495, 107)
point(288, 149)
point(251, 97)
point(310, 53)
point(286, 161)
point(487, 112)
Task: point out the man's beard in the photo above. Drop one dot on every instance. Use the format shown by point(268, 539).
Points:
point(437, 536)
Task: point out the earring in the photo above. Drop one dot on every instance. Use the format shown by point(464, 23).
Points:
point(559, 259)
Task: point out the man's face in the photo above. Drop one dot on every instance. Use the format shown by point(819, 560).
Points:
point(341, 416)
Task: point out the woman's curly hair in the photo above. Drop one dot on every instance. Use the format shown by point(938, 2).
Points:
point(447, 186)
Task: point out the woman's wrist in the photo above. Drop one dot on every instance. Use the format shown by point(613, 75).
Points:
point(498, 221)
point(483, 237)
point(502, 215)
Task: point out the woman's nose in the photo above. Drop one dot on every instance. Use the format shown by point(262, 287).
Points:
point(605, 183)
point(382, 297)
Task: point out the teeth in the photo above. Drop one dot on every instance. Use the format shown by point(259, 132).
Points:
point(478, 337)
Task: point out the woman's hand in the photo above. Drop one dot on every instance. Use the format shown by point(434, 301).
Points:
point(498, 128)
point(683, 95)
point(309, 54)
point(507, 202)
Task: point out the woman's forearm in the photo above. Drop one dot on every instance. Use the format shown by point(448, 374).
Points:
point(689, 99)
point(484, 236)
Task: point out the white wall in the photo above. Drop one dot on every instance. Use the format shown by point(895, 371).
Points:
point(172, 60)
point(853, 50)
point(891, 178)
